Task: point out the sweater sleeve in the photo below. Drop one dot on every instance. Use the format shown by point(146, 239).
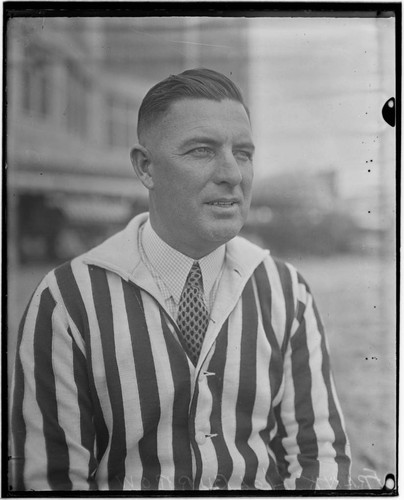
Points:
point(313, 434)
point(52, 432)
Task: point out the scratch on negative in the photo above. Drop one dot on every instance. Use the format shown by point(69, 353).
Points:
point(198, 43)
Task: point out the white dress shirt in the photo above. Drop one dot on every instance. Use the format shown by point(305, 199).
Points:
point(170, 268)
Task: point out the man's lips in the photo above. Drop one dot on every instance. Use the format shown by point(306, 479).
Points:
point(224, 202)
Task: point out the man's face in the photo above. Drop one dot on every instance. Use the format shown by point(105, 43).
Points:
point(201, 169)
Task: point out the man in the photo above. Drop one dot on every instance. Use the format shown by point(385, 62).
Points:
point(177, 355)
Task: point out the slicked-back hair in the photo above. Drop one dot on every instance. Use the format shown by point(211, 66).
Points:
point(199, 83)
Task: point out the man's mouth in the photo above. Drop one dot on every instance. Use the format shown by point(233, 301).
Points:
point(222, 203)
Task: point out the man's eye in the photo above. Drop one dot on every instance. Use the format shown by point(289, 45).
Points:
point(201, 152)
point(243, 155)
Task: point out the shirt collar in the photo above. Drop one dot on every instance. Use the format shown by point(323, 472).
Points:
point(173, 266)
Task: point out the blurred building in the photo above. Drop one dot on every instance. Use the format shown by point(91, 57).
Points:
point(69, 132)
point(74, 86)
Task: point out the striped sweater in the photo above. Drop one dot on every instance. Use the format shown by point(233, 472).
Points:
point(105, 398)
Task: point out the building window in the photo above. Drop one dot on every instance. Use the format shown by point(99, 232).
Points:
point(77, 101)
point(36, 81)
point(121, 121)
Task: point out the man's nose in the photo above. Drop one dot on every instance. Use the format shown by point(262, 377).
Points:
point(227, 169)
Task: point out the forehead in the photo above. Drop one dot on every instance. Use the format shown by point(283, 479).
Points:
point(191, 116)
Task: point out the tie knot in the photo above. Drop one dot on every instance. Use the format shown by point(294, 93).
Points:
point(195, 276)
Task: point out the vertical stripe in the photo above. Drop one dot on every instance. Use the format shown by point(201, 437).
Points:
point(56, 447)
point(340, 442)
point(322, 428)
point(165, 387)
point(147, 386)
point(230, 393)
point(72, 297)
point(69, 412)
point(103, 308)
point(18, 428)
point(265, 302)
point(306, 437)
point(277, 301)
point(287, 288)
point(85, 406)
point(70, 366)
point(127, 375)
point(263, 417)
point(277, 445)
point(287, 422)
point(335, 422)
point(202, 423)
point(247, 385)
point(195, 447)
point(35, 468)
point(273, 477)
point(215, 384)
point(182, 395)
point(73, 302)
point(97, 375)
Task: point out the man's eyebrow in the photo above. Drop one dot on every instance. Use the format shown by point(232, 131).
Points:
point(202, 139)
point(247, 145)
point(199, 139)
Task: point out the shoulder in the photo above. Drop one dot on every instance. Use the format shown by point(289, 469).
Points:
point(247, 253)
point(118, 254)
point(272, 274)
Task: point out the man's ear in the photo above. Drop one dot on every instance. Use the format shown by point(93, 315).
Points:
point(141, 161)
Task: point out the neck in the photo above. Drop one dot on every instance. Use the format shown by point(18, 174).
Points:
point(184, 248)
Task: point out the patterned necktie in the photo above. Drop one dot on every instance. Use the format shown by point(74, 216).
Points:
point(193, 315)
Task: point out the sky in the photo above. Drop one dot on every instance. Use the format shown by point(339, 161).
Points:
point(317, 89)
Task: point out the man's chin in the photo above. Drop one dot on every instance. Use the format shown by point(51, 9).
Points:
point(224, 231)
